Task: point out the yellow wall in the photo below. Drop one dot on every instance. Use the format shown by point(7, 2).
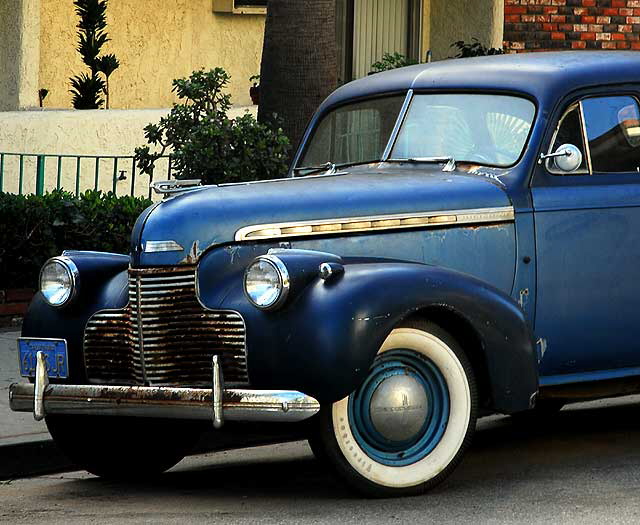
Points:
point(9, 46)
point(155, 41)
point(19, 53)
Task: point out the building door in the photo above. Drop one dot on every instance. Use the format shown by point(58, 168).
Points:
point(367, 29)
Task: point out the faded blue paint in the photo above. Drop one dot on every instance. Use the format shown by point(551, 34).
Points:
point(471, 250)
point(216, 213)
point(588, 242)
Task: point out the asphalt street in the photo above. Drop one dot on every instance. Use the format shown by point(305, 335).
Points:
point(580, 466)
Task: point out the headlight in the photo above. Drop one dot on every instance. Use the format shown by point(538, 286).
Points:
point(58, 280)
point(266, 282)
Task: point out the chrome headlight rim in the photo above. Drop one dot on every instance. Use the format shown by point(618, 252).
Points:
point(283, 277)
point(74, 278)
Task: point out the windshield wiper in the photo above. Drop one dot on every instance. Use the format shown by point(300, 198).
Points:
point(449, 162)
point(332, 168)
point(328, 167)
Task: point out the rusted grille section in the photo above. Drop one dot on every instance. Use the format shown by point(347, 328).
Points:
point(164, 336)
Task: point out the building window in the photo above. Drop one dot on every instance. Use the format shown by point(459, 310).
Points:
point(240, 7)
point(367, 29)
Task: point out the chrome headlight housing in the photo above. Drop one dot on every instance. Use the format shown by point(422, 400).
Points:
point(266, 282)
point(59, 281)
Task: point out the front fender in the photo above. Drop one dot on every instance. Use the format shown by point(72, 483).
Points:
point(102, 286)
point(323, 341)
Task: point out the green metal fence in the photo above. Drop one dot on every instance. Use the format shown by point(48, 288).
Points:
point(26, 173)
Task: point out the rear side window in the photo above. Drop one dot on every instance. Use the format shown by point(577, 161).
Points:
point(612, 127)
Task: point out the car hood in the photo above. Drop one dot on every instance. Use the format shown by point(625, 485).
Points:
point(210, 216)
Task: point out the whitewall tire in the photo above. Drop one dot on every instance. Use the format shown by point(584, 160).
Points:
point(407, 426)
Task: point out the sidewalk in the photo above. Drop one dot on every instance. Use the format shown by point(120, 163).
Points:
point(26, 447)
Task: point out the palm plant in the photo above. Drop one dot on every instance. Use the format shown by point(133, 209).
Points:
point(87, 89)
point(107, 64)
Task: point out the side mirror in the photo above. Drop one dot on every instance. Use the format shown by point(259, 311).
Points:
point(567, 158)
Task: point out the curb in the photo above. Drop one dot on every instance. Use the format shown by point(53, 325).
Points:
point(32, 458)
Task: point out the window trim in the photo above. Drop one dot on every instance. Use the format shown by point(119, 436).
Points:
point(229, 6)
point(549, 162)
point(514, 94)
point(587, 148)
point(318, 118)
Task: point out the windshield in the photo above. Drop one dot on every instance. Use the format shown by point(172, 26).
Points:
point(353, 133)
point(483, 129)
point(478, 128)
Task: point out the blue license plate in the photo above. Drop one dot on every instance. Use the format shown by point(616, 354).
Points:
point(55, 356)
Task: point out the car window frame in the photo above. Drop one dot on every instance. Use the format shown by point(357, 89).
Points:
point(409, 94)
point(505, 93)
point(585, 142)
point(309, 134)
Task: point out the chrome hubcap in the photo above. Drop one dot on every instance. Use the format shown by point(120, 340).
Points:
point(400, 412)
point(399, 408)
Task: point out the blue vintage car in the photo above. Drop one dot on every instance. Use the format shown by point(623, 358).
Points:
point(454, 239)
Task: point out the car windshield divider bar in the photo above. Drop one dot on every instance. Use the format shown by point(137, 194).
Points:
point(396, 128)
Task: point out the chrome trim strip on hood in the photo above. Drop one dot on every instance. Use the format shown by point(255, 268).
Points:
point(431, 219)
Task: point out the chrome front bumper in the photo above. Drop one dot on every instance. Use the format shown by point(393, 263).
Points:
point(216, 404)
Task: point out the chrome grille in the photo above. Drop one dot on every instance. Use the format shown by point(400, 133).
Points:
point(164, 336)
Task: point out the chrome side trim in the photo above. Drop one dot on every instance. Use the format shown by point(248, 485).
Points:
point(585, 138)
point(162, 246)
point(165, 402)
point(396, 128)
point(431, 219)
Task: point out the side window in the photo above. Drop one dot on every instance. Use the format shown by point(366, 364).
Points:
point(613, 132)
point(570, 132)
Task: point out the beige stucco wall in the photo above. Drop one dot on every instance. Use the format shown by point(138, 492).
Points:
point(96, 132)
point(155, 41)
point(425, 28)
point(19, 53)
point(453, 20)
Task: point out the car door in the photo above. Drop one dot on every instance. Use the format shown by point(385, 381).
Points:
point(587, 231)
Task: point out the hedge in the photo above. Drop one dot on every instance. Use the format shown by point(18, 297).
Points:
point(34, 228)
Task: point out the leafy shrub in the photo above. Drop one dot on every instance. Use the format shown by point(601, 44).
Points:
point(391, 61)
point(205, 144)
point(38, 227)
point(474, 49)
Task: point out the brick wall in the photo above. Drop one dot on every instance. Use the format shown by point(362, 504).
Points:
point(13, 305)
point(543, 25)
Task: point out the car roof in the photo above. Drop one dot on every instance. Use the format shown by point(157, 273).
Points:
point(544, 76)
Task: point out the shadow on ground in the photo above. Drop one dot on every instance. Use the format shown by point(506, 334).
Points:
point(576, 442)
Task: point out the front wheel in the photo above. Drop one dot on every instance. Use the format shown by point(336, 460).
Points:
point(407, 426)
